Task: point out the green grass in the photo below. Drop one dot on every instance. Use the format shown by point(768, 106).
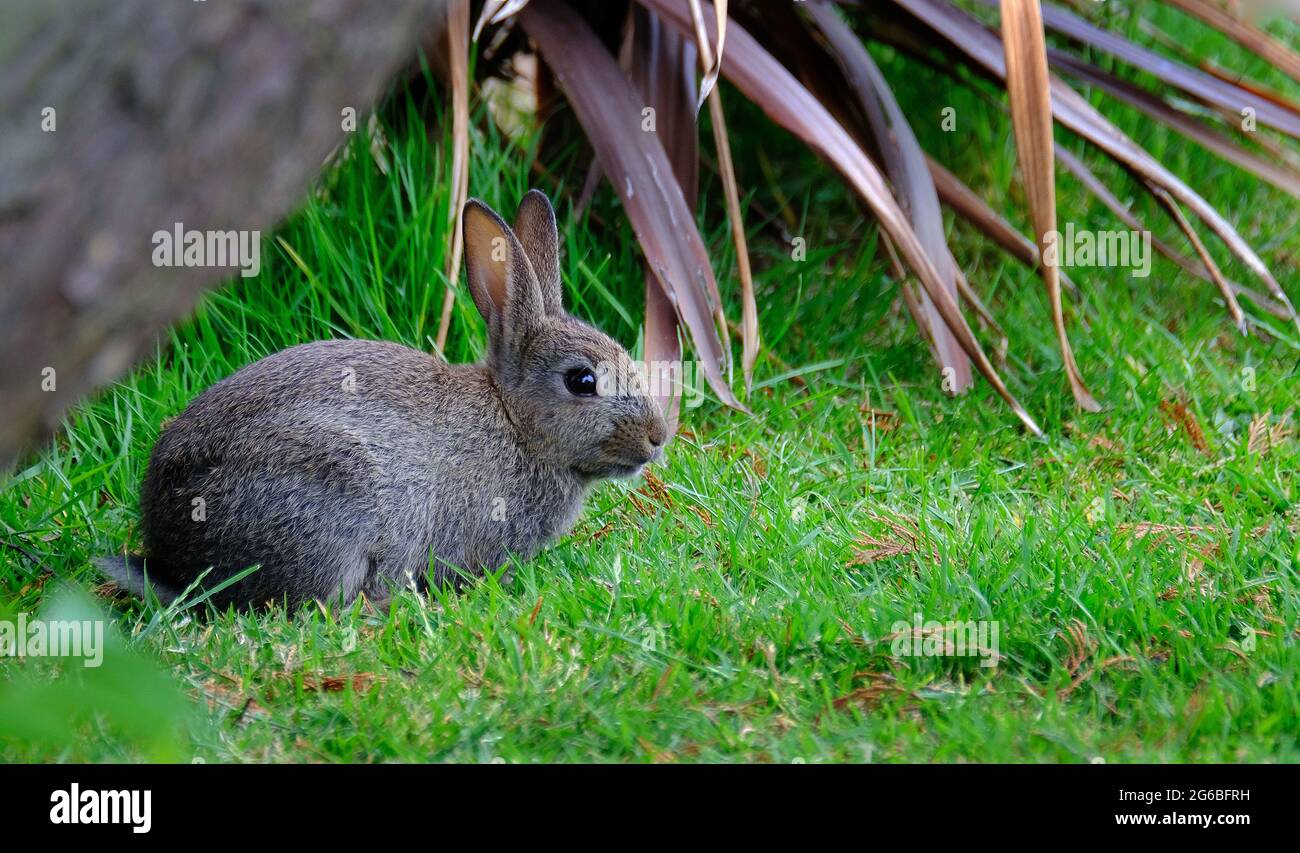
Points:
point(724, 617)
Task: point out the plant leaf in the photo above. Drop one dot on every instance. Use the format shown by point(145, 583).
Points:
point(905, 163)
point(711, 57)
point(1280, 175)
point(766, 82)
point(661, 63)
point(1193, 81)
point(1244, 33)
point(971, 38)
point(609, 110)
point(496, 11)
point(967, 204)
point(458, 63)
point(1031, 118)
point(1094, 185)
point(726, 169)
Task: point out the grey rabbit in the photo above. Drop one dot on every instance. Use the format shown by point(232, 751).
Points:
point(352, 467)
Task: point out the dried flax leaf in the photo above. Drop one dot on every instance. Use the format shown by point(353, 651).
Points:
point(661, 64)
point(971, 38)
point(1207, 260)
point(1094, 185)
point(713, 62)
point(766, 82)
point(609, 110)
point(1031, 117)
point(458, 61)
point(1244, 33)
point(1193, 81)
point(967, 204)
point(726, 169)
point(1282, 175)
point(496, 11)
point(905, 163)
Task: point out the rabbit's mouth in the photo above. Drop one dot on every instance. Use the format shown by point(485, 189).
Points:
point(609, 470)
point(621, 462)
point(626, 468)
point(625, 471)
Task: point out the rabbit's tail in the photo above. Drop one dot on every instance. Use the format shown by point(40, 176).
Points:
point(129, 574)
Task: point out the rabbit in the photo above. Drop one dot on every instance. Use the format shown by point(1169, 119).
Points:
point(348, 467)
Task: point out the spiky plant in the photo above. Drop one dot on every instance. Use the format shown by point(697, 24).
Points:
point(807, 65)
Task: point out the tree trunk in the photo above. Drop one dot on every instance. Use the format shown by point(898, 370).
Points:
point(120, 119)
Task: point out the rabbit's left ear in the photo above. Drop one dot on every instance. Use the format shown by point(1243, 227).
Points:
point(500, 278)
point(535, 226)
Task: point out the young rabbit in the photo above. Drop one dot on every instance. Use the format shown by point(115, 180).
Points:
point(350, 467)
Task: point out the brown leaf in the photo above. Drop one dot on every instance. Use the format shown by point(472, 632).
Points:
point(609, 110)
point(1031, 116)
point(1264, 435)
point(766, 82)
point(906, 539)
point(879, 687)
point(656, 490)
point(905, 163)
point(878, 420)
point(1079, 648)
point(969, 206)
point(730, 189)
point(1094, 185)
point(1178, 412)
point(1234, 308)
point(1194, 82)
point(496, 11)
point(661, 64)
point(1246, 34)
point(360, 682)
point(710, 58)
point(970, 37)
point(458, 61)
point(1281, 175)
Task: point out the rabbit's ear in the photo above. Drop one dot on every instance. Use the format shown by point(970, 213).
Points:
point(535, 226)
point(500, 277)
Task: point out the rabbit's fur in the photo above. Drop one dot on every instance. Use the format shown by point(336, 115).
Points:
point(351, 467)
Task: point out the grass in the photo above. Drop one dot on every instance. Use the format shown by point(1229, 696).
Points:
point(728, 608)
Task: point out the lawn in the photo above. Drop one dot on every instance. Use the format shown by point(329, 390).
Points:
point(740, 602)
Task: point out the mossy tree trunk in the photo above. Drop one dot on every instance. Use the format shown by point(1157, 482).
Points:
point(119, 119)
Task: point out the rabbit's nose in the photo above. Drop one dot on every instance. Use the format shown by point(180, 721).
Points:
point(658, 434)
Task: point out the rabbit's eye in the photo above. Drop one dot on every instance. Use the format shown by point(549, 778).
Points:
point(581, 382)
